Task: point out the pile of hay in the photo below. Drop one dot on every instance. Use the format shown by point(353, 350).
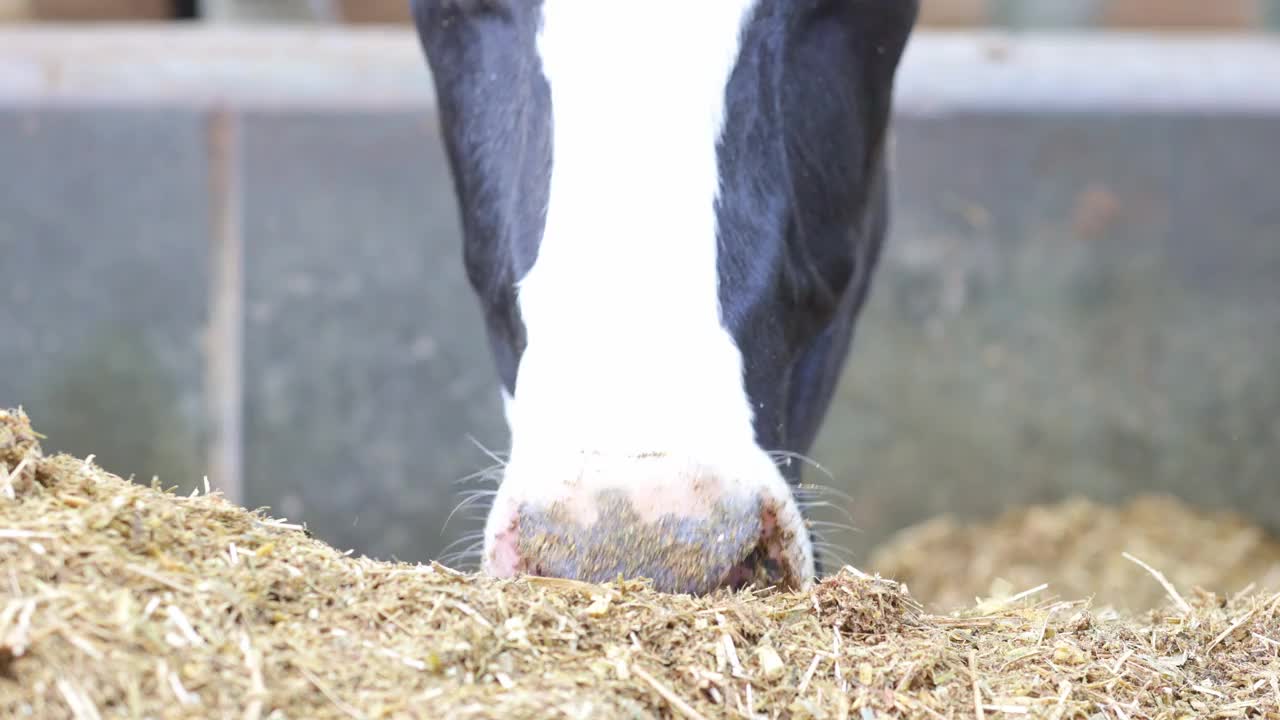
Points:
point(121, 600)
point(1077, 548)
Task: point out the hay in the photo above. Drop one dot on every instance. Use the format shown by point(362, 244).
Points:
point(119, 600)
point(1077, 547)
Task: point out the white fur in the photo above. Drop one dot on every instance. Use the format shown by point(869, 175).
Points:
point(507, 402)
point(626, 353)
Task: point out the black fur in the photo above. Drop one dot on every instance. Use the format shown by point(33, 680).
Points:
point(495, 118)
point(803, 205)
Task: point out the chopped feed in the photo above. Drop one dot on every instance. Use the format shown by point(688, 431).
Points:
point(120, 600)
point(1075, 546)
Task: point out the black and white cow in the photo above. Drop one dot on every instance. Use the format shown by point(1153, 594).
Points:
point(672, 211)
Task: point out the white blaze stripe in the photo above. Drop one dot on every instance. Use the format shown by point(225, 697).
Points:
point(626, 353)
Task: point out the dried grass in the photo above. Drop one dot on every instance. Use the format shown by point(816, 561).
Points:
point(1078, 548)
point(119, 600)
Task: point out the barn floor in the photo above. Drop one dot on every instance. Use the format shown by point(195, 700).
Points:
point(119, 600)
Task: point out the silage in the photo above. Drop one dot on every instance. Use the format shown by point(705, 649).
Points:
point(119, 600)
point(1076, 546)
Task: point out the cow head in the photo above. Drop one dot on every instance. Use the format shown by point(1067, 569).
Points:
point(672, 210)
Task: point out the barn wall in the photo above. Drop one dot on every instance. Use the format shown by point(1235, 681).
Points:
point(236, 254)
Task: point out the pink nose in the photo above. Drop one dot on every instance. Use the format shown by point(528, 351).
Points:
point(730, 542)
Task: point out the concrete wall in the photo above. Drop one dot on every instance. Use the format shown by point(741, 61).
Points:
point(237, 254)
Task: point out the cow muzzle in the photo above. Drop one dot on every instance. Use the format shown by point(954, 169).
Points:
point(688, 527)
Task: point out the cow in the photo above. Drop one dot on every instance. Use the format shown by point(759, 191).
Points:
point(671, 214)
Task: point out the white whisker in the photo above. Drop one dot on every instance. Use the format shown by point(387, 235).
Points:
point(494, 456)
point(825, 525)
point(473, 538)
point(806, 506)
point(491, 474)
point(827, 551)
point(809, 489)
point(467, 555)
point(470, 499)
point(780, 456)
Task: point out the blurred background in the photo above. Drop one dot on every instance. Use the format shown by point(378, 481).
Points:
point(229, 247)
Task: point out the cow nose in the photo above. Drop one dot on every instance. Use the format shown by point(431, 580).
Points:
point(680, 554)
point(688, 531)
